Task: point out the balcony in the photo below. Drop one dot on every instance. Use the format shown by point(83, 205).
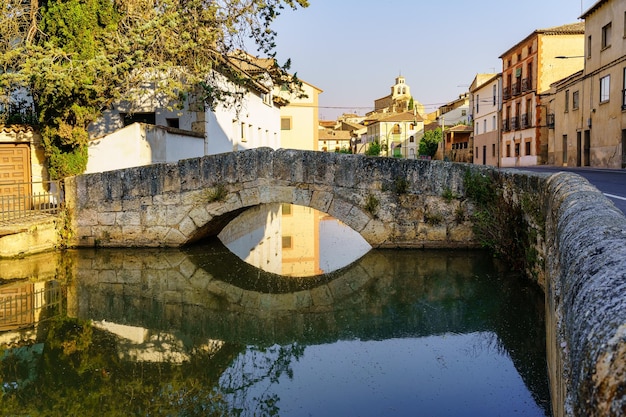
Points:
point(515, 123)
point(527, 84)
point(515, 90)
point(506, 93)
point(526, 121)
point(506, 126)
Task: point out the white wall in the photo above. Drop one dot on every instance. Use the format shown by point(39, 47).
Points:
point(261, 126)
point(139, 144)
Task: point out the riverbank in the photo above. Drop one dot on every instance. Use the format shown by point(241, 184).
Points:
point(33, 234)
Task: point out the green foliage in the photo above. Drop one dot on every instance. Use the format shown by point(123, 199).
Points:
point(448, 195)
point(218, 193)
point(371, 204)
point(76, 58)
point(433, 218)
point(401, 185)
point(373, 149)
point(479, 188)
point(498, 223)
point(344, 149)
point(429, 142)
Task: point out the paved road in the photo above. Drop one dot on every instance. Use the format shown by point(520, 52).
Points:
point(612, 182)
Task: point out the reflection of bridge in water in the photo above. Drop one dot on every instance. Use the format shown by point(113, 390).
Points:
point(206, 293)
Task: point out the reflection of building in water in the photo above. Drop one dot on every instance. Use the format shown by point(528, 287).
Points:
point(139, 344)
point(292, 240)
point(300, 240)
point(22, 305)
point(254, 236)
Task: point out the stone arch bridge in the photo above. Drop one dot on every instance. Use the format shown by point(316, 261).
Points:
point(390, 202)
point(579, 247)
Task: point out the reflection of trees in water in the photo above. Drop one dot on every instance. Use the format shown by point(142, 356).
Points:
point(79, 372)
point(252, 373)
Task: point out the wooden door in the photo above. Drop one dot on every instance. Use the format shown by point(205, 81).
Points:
point(14, 177)
point(16, 306)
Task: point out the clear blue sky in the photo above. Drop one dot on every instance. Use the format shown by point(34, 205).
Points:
point(354, 49)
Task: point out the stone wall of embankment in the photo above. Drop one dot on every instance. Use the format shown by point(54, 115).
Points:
point(568, 236)
point(579, 258)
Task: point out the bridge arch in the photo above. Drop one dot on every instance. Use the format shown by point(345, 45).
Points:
point(390, 202)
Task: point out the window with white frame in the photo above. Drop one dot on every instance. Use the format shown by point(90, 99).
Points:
point(605, 87)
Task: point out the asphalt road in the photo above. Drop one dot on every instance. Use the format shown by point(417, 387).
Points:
point(611, 182)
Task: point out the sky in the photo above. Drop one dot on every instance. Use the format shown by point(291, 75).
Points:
point(353, 50)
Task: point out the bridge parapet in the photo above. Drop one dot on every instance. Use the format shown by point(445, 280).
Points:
point(391, 203)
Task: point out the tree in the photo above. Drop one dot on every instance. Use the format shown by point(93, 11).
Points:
point(430, 142)
point(75, 58)
point(373, 149)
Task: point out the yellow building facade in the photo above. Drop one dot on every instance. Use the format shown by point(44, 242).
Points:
point(588, 108)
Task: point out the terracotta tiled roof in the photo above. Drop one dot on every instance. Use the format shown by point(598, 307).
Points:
point(15, 128)
point(329, 134)
point(576, 28)
point(406, 116)
point(568, 29)
point(460, 128)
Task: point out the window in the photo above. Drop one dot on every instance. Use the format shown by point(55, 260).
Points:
point(494, 95)
point(287, 242)
point(624, 92)
point(285, 123)
point(575, 100)
point(493, 122)
point(243, 132)
point(493, 150)
point(463, 112)
point(286, 209)
point(485, 126)
point(566, 101)
point(508, 150)
point(477, 103)
point(527, 150)
point(589, 46)
point(174, 122)
point(605, 85)
point(412, 139)
point(606, 35)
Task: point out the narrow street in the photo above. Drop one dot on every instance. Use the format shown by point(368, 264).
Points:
point(611, 182)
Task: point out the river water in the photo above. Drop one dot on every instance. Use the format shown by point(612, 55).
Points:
point(203, 331)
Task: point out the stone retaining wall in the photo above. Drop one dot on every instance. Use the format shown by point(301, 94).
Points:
point(579, 236)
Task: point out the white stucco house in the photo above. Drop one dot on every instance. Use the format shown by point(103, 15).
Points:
point(154, 132)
